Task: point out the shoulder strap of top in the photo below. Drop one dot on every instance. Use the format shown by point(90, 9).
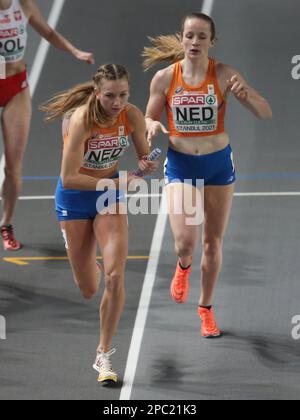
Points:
point(18, 5)
point(178, 71)
point(212, 67)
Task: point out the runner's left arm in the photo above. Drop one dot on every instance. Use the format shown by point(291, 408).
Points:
point(235, 84)
point(38, 22)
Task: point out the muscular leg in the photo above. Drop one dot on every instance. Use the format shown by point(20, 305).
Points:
point(186, 236)
point(112, 236)
point(15, 121)
point(217, 206)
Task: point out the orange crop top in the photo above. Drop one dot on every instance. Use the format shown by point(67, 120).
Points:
point(105, 146)
point(195, 111)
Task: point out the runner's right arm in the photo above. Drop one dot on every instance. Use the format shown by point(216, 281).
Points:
point(156, 104)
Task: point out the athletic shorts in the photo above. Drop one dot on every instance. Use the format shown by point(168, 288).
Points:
point(213, 169)
point(83, 205)
point(11, 86)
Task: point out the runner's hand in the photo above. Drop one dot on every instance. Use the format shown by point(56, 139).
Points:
point(85, 56)
point(236, 86)
point(154, 130)
point(148, 167)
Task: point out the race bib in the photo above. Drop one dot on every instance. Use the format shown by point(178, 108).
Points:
point(12, 43)
point(104, 153)
point(195, 112)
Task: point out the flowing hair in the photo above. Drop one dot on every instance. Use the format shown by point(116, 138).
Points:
point(168, 47)
point(66, 102)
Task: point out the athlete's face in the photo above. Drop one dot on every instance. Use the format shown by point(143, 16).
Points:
point(196, 38)
point(113, 95)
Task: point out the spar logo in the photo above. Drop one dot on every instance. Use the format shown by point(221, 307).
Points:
point(189, 100)
point(116, 142)
point(296, 68)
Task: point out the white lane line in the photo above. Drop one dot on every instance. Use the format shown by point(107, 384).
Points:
point(246, 194)
point(52, 197)
point(268, 194)
point(142, 312)
point(38, 63)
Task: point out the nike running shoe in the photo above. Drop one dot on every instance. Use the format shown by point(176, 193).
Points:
point(209, 328)
point(9, 241)
point(180, 284)
point(103, 366)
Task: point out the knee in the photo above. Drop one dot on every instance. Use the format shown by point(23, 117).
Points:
point(13, 173)
point(185, 247)
point(212, 247)
point(88, 292)
point(114, 281)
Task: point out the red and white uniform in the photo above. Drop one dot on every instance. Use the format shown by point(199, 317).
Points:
point(13, 40)
point(13, 32)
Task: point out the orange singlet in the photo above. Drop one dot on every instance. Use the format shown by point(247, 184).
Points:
point(105, 146)
point(195, 111)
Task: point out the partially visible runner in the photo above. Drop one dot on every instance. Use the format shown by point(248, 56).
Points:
point(97, 123)
point(15, 97)
point(194, 90)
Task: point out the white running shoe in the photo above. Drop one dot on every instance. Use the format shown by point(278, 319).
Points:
point(103, 366)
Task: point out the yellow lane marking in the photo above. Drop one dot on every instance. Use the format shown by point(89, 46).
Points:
point(23, 260)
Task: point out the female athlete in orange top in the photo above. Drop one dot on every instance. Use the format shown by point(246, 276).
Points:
point(194, 92)
point(15, 97)
point(97, 123)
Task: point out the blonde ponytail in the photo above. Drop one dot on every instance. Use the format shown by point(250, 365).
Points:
point(166, 48)
point(66, 102)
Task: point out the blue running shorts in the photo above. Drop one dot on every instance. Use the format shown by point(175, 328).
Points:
point(82, 205)
point(213, 169)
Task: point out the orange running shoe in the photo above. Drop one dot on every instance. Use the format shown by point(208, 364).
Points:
point(209, 328)
point(9, 241)
point(180, 284)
